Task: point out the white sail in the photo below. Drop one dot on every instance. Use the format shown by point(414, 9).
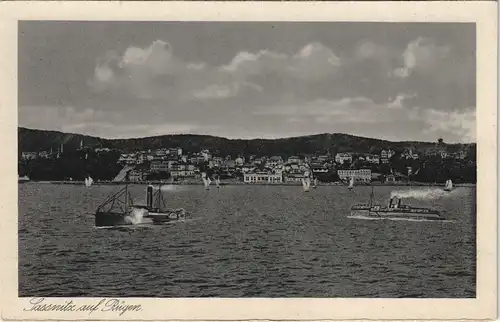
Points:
point(88, 182)
point(448, 185)
point(204, 178)
point(217, 182)
point(351, 183)
point(306, 183)
point(315, 182)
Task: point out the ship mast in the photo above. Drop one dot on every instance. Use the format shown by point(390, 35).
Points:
point(371, 197)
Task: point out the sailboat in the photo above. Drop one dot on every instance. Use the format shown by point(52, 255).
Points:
point(448, 185)
point(117, 210)
point(206, 180)
point(315, 184)
point(217, 182)
point(306, 181)
point(23, 179)
point(88, 182)
point(351, 183)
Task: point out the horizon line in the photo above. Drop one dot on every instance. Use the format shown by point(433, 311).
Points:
point(235, 139)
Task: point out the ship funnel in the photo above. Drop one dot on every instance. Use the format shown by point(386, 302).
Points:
point(399, 203)
point(149, 197)
point(390, 202)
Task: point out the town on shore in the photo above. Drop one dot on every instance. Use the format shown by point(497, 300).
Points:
point(435, 165)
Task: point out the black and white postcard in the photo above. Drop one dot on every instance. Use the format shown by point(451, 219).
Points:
point(245, 161)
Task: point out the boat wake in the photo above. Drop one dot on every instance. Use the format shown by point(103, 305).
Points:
point(172, 222)
point(397, 219)
point(146, 225)
point(125, 227)
point(136, 216)
point(169, 187)
point(424, 194)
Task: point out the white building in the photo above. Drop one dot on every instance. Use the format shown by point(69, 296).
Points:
point(363, 175)
point(340, 158)
point(247, 168)
point(29, 155)
point(159, 166)
point(371, 158)
point(262, 177)
point(128, 159)
point(295, 177)
point(239, 161)
point(385, 155)
point(294, 159)
point(135, 175)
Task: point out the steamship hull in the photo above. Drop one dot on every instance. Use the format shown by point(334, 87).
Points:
point(159, 218)
point(401, 214)
point(395, 210)
point(103, 219)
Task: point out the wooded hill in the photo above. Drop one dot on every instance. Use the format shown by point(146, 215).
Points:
point(31, 140)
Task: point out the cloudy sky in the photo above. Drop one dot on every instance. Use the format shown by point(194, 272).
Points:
point(393, 81)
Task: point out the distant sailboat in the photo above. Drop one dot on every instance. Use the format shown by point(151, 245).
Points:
point(306, 182)
point(448, 185)
point(315, 184)
point(351, 183)
point(88, 182)
point(217, 182)
point(206, 180)
point(23, 179)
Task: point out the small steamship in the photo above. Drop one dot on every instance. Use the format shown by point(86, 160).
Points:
point(394, 210)
point(119, 209)
point(157, 210)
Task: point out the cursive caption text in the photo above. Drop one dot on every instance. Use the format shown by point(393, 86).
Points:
point(41, 304)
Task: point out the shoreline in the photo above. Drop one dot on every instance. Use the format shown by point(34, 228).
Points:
point(240, 183)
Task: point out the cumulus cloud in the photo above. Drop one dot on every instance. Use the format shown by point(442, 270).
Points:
point(368, 88)
point(314, 61)
point(156, 72)
point(461, 125)
point(422, 54)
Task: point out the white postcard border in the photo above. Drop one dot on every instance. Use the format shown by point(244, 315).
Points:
point(482, 13)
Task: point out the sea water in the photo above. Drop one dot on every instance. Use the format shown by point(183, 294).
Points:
point(246, 241)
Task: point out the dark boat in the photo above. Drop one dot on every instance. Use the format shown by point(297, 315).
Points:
point(116, 210)
point(119, 209)
point(395, 210)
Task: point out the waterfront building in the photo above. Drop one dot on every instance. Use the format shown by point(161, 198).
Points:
point(159, 166)
point(136, 175)
point(262, 177)
point(294, 177)
point(182, 170)
point(363, 175)
point(29, 155)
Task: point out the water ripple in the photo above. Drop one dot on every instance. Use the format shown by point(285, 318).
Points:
point(243, 241)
